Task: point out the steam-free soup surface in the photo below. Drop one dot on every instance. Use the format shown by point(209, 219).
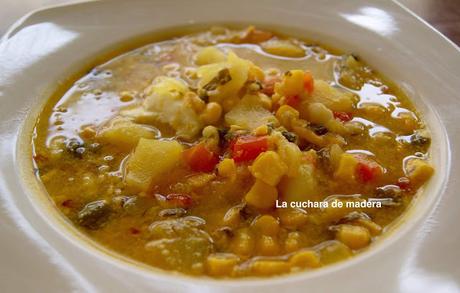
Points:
point(209, 154)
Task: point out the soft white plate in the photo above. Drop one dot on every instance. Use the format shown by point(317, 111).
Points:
point(39, 254)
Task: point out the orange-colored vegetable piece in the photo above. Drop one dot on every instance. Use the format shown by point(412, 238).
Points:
point(200, 159)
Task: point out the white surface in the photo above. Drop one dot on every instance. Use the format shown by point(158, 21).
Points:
point(38, 254)
point(11, 10)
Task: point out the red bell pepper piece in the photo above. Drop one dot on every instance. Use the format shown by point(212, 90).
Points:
point(343, 116)
point(247, 148)
point(200, 159)
point(368, 171)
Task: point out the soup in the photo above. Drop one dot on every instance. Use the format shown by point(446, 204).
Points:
point(232, 153)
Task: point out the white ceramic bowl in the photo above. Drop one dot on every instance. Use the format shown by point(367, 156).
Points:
point(41, 252)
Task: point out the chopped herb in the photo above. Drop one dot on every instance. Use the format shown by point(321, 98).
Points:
point(318, 129)
point(418, 139)
point(291, 137)
point(223, 77)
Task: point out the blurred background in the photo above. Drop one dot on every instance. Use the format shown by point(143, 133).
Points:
point(444, 15)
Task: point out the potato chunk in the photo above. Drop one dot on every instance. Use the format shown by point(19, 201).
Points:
point(301, 187)
point(250, 113)
point(209, 55)
point(346, 169)
point(283, 48)
point(289, 153)
point(124, 133)
point(220, 86)
point(151, 159)
point(418, 171)
point(331, 97)
point(269, 168)
point(165, 104)
point(261, 195)
point(355, 237)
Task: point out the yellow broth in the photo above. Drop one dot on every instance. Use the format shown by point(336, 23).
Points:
point(212, 211)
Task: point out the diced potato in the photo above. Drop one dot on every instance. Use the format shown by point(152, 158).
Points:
point(227, 168)
point(164, 103)
point(301, 187)
point(269, 267)
point(289, 153)
point(269, 168)
point(305, 259)
point(418, 171)
point(335, 153)
point(150, 161)
point(249, 114)
point(266, 225)
point(124, 133)
point(332, 214)
point(267, 246)
point(167, 86)
point(261, 195)
point(282, 48)
point(221, 264)
point(346, 169)
point(209, 55)
point(331, 97)
point(355, 237)
point(238, 69)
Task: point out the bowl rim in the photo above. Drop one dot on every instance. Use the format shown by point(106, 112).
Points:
point(394, 236)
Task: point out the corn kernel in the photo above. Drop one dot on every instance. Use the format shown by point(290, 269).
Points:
point(261, 130)
point(269, 168)
point(286, 114)
point(305, 258)
point(269, 267)
point(373, 227)
point(267, 246)
point(266, 102)
point(293, 83)
point(293, 218)
point(266, 225)
point(262, 195)
point(355, 237)
point(293, 242)
point(211, 114)
point(221, 264)
point(227, 168)
point(243, 243)
point(197, 104)
point(255, 72)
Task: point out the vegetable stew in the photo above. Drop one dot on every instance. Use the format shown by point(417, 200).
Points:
point(227, 152)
